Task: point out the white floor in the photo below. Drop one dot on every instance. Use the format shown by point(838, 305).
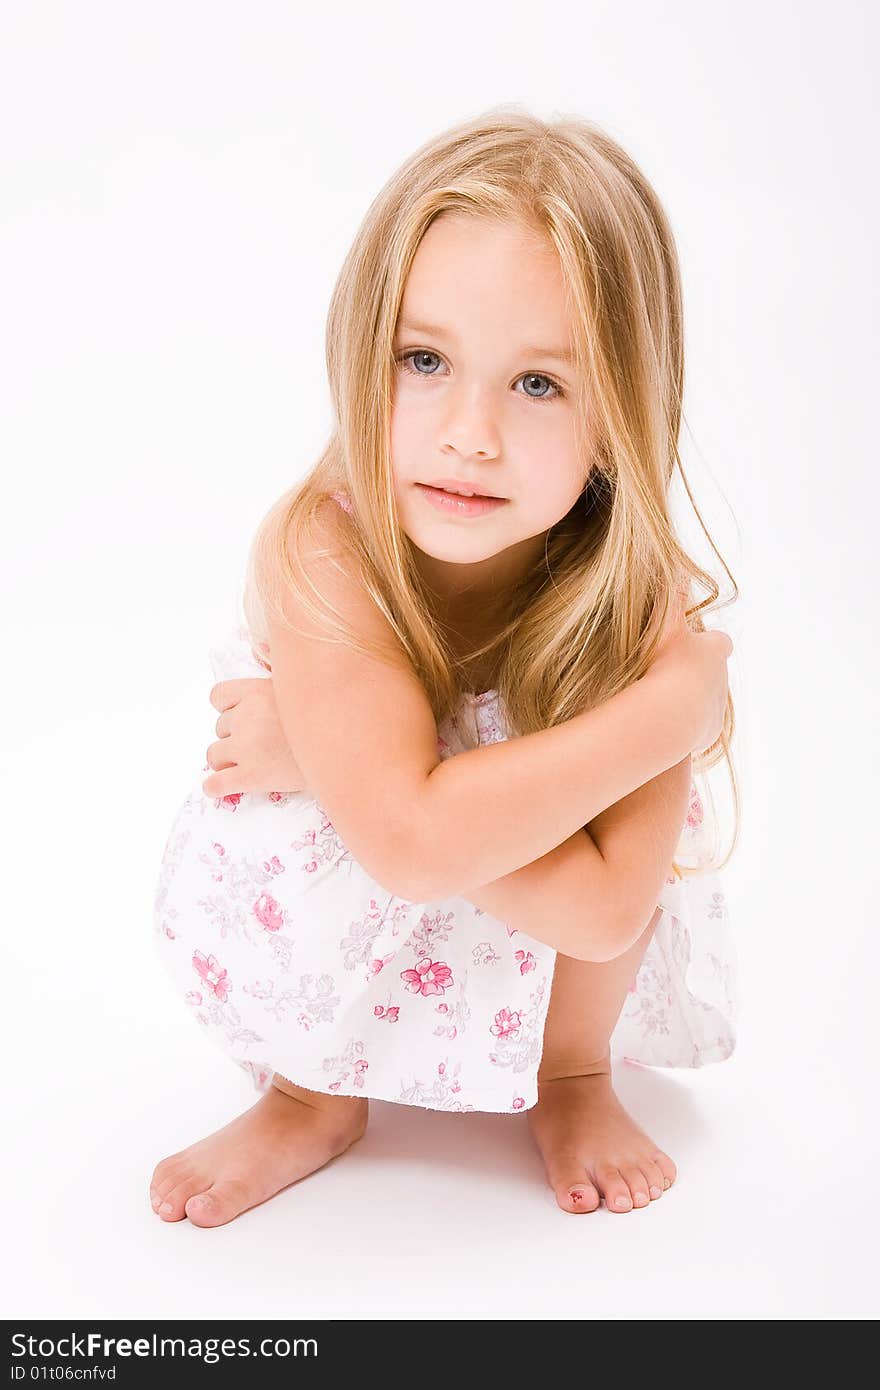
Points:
point(437, 1215)
point(432, 1215)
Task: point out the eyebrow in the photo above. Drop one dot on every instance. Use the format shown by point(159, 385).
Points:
point(433, 330)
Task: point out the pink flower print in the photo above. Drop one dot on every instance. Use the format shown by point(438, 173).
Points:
point(695, 813)
point(526, 961)
point(511, 931)
point(334, 1085)
point(506, 1023)
point(193, 997)
point(304, 1021)
point(443, 1008)
point(172, 935)
point(268, 913)
point(231, 801)
point(429, 977)
point(376, 965)
point(441, 1070)
point(219, 848)
point(518, 1103)
point(456, 1086)
point(215, 978)
point(361, 1065)
point(390, 1014)
point(273, 865)
point(277, 796)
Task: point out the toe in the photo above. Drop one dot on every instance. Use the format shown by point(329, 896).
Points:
point(580, 1196)
point(654, 1175)
point(614, 1189)
point(667, 1168)
point(638, 1185)
point(571, 1183)
point(221, 1202)
point(167, 1175)
point(170, 1200)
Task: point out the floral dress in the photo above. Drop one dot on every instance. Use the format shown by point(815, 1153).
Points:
point(294, 960)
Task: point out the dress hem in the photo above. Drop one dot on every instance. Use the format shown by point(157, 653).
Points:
point(457, 1106)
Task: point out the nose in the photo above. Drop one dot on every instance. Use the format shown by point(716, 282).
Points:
point(469, 429)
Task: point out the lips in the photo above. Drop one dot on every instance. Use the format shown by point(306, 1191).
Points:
point(454, 488)
point(453, 504)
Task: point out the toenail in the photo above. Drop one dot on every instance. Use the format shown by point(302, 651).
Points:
point(641, 1199)
point(666, 1184)
point(623, 1202)
point(577, 1194)
point(655, 1192)
point(166, 1206)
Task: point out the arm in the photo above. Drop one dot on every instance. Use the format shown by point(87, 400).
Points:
point(598, 889)
point(494, 809)
point(638, 838)
point(563, 898)
point(428, 829)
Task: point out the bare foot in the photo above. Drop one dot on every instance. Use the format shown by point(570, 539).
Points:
point(278, 1141)
point(593, 1149)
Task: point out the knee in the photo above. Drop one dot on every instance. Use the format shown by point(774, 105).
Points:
point(626, 941)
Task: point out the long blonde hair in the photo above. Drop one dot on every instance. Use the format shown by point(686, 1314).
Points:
point(586, 623)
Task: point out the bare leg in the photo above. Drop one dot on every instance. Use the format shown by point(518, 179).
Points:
point(588, 1140)
point(289, 1133)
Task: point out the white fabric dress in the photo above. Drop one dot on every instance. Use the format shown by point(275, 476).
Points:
point(293, 959)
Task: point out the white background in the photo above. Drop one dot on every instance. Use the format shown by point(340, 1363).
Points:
point(179, 184)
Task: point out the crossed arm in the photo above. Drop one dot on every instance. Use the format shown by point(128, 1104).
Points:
point(607, 876)
point(613, 869)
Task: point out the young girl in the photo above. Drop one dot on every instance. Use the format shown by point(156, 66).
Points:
point(453, 847)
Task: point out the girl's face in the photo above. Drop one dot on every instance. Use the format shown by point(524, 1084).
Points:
point(483, 394)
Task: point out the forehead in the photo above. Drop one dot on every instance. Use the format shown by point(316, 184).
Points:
point(475, 272)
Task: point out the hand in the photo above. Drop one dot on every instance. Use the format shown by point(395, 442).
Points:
point(252, 754)
point(691, 669)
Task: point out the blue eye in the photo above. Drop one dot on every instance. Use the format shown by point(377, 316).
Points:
point(405, 358)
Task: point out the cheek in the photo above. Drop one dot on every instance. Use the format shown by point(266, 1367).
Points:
point(409, 433)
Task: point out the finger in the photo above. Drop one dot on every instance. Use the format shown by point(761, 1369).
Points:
point(217, 757)
point(225, 694)
point(227, 782)
point(223, 726)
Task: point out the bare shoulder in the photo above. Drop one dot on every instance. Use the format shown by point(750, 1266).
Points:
point(332, 566)
point(359, 723)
